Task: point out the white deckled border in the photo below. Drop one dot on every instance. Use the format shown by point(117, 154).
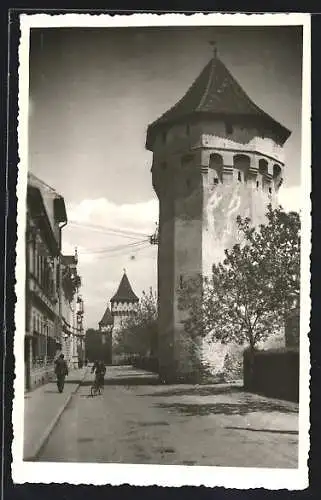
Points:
point(162, 475)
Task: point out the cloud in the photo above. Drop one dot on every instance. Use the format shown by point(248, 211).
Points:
point(290, 198)
point(138, 217)
point(102, 255)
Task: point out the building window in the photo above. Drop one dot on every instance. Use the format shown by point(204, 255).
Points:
point(257, 184)
point(239, 177)
point(216, 181)
point(181, 281)
point(270, 190)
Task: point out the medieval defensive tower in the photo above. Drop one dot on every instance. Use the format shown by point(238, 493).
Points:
point(123, 303)
point(216, 155)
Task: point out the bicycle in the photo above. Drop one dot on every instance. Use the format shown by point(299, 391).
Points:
point(97, 387)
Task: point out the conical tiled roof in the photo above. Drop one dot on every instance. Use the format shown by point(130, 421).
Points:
point(125, 292)
point(107, 318)
point(216, 93)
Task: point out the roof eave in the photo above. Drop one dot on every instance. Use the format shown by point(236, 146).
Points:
point(282, 132)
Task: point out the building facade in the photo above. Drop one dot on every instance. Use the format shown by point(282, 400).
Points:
point(216, 155)
point(54, 317)
point(72, 312)
point(46, 215)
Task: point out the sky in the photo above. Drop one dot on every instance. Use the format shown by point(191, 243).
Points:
point(93, 93)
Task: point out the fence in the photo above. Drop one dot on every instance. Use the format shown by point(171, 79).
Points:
point(274, 373)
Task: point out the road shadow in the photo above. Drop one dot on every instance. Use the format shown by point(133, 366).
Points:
point(239, 408)
point(127, 381)
point(196, 391)
point(272, 431)
point(151, 424)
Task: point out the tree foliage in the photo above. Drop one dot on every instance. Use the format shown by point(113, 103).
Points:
point(249, 294)
point(71, 282)
point(139, 333)
point(96, 349)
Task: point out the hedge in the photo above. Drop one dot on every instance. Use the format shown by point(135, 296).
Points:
point(275, 373)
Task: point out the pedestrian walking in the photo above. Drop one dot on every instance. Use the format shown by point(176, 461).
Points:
point(61, 371)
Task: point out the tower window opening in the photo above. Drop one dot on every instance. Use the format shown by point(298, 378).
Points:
point(216, 181)
point(257, 184)
point(239, 177)
point(270, 190)
point(229, 128)
point(181, 281)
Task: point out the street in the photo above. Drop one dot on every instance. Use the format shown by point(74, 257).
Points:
point(137, 421)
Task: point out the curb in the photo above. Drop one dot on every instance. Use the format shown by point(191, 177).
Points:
point(53, 423)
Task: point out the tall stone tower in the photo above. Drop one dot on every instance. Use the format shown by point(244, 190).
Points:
point(216, 155)
point(123, 303)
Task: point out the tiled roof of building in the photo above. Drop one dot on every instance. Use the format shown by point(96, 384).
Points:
point(215, 92)
point(125, 292)
point(107, 318)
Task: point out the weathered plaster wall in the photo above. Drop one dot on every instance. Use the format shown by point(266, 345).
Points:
point(204, 179)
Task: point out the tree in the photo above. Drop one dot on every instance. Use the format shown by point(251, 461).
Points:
point(71, 282)
point(96, 348)
point(250, 293)
point(139, 334)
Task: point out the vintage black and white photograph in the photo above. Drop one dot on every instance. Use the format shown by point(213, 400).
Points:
point(163, 282)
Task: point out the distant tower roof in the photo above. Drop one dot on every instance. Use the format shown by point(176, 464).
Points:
point(125, 292)
point(107, 318)
point(215, 93)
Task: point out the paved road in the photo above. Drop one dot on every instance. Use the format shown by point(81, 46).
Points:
point(190, 425)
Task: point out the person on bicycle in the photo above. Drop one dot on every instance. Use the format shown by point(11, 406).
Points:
point(99, 369)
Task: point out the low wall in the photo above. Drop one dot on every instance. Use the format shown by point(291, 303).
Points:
point(274, 373)
point(146, 363)
point(41, 375)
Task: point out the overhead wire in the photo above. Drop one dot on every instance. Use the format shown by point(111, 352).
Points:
point(106, 250)
point(124, 252)
point(109, 230)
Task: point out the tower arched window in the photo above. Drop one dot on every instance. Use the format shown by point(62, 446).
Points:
point(241, 164)
point(263, 166)
point(228, 128)
point(276, 170)
point(215, 169)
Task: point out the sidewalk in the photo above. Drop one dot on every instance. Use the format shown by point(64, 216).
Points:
point(43, 408)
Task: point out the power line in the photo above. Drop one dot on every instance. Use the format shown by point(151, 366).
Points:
point(116, 248)
point(109, 229)
point(123, 252)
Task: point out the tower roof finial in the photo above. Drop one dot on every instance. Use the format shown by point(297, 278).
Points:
point(214, 48)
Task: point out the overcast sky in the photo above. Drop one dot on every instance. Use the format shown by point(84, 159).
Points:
point(93, 93)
